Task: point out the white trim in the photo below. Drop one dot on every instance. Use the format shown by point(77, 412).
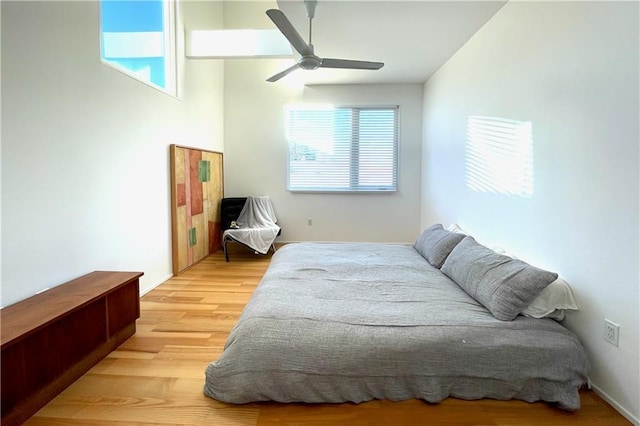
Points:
point(146, 289)
point(179, 58)
point(132, 74)
point(170, 42)
point(619, 408)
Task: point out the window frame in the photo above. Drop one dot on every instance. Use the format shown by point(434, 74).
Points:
point(354, 186)
point(170, 39)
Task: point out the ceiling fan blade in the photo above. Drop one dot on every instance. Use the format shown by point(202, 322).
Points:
point(278, 76)
point(350, 64)
point(289, 32)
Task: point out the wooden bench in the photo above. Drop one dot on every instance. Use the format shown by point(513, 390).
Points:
point(51, 339)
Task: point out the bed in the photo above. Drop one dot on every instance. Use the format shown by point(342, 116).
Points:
point(360, 321)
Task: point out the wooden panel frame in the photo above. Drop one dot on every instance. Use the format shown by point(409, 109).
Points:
point(195, 205)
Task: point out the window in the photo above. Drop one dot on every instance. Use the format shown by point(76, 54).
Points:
point(342, 149)
point(138, 38)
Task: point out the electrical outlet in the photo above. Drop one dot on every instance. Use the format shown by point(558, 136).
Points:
point(611, 332)
point(309, 221)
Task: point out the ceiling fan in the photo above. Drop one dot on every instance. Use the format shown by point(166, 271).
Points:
point(308, 60)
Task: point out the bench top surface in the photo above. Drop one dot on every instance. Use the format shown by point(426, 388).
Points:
point(27, 316)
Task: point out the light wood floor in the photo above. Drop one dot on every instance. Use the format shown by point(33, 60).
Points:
point(157, 376)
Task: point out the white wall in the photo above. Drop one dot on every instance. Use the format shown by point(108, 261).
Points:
point(571, 68)
point(85, 157)
point(256, 149)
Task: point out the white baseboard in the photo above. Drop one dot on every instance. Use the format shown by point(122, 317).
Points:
point(146, 289)
point(633, 419)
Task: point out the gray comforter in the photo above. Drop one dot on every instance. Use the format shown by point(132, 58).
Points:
point(355, 322)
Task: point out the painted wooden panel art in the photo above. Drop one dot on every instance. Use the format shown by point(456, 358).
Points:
point(196, 191)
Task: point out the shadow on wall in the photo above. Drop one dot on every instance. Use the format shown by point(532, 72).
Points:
point(499, 156)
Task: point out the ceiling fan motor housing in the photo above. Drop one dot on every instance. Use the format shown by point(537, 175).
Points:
point(310, 62)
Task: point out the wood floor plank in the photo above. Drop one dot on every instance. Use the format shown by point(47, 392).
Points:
point(156, 344)
point(170, 306)
point(157, 376)
point(130, 354)
point(169, 368)
point(204, 354)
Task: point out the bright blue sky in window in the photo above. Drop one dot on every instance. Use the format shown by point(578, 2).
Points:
point(131, 16)
point(141, 16)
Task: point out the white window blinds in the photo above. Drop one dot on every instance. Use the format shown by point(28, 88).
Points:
point(342, 149)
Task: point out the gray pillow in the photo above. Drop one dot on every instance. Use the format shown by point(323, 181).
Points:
point(436, 243)
point(505, 286)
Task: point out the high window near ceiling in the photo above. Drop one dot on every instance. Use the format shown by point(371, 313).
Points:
point(344, 149)
point(139, 39)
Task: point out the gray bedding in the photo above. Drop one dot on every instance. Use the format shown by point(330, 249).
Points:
point(355, 322)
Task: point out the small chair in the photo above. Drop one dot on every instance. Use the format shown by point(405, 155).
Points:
point(230, 210)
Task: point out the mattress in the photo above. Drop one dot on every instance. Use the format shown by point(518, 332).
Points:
point(361, 321)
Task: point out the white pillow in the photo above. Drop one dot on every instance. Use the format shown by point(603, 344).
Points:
point(500, 250)
point(455, 228)
point(552, 301)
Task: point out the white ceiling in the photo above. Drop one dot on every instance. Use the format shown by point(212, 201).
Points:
point(412, 38)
